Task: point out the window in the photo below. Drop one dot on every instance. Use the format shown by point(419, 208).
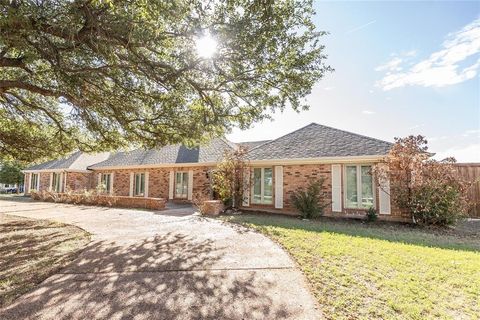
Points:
point(34, 181)
point(139, 185)
point(262, 185)
point(106, 182)
point(359, 187)
point(57, 182)
point(181, 185)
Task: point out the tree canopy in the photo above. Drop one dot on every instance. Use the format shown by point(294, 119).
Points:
point(100, 75)
point(11, 173)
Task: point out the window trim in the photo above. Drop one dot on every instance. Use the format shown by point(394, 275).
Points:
point(175, 194)
point(359, 186)
point(135, 184)
point(262, 186)
point(36, 186)
point(59, 182)
point(109, 174)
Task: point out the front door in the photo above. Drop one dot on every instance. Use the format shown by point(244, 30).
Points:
point(181, 185)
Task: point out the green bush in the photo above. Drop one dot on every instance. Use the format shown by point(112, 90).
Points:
point(437, 203)
point(371, 214)
point(308, 202)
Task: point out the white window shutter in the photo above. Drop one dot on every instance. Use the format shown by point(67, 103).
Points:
point(51, 182)
point(38, 182)
point(65, 181)
point(146, 184)
point(190, 185)
point(384, 197)
point(132, 177)
point(336, 188)
point(61, 182)
point(246, 188)
point(99, 179)
point(279, 187)
point(29, 183)
point(111, 183)
point(171, 184)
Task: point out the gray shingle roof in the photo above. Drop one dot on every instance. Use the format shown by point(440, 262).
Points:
point(174, 154)
point(315, 141)
point(252, 144)
point(76, 161)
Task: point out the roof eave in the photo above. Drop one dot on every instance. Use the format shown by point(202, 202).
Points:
point(319, 160)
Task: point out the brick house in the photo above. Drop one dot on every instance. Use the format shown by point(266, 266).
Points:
point(278, 167)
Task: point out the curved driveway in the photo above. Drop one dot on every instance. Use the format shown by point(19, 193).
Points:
point(171, 264)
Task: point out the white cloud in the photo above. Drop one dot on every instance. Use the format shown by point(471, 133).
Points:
point(369, 112)
point(392, 65)
point(442, 68)
point(328, 88)
point(470, 153)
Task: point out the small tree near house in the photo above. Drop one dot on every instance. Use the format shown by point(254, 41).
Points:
point(231, 179)
point(429, 190)
point(11, 173)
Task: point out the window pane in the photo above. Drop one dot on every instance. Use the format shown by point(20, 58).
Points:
point(267, 186)
point(185, 184)
point(351, 177)
point(367, 189)
point(257, 187)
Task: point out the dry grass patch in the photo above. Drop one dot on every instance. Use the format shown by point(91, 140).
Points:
point(32, 250)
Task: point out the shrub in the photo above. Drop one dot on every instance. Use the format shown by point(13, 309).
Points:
point(430, 191)
point(371, 214)
point(308, 202)
point(230, 178)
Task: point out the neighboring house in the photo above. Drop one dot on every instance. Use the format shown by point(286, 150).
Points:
point(278, 168)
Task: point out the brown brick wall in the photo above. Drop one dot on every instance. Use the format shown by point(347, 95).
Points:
point(158, 181)
point(298, 177)
point(44, 181)
point(78, 181)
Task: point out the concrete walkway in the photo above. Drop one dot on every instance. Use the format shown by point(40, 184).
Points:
point(171, 264)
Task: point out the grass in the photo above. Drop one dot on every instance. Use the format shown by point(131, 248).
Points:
point(32, 250)
point(381, 271)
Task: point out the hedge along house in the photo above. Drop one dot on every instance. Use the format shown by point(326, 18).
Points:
point(278, 167)
point(173, 172)
point(59, 175)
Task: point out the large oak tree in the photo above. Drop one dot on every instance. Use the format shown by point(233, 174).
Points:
point(99, 75)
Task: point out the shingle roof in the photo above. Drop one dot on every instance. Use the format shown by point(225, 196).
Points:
point(76, 161)
point(174, 154)
point(315, 141)
point(252, 144)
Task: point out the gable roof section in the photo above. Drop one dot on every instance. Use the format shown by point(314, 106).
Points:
point(76, 161)
point(173, 154)
point(318, 141)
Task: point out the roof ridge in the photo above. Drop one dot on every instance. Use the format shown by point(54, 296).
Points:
point(290, 133)
point(349, 132)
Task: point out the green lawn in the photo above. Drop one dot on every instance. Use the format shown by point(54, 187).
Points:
point(381, 271)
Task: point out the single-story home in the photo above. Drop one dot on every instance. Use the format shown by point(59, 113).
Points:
point(278, 168)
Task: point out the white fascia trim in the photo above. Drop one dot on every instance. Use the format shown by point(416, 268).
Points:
point(161, 165)
point(56, 170)
point(322, 160)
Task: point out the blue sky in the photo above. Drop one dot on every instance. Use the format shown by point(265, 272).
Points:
point(400, 68)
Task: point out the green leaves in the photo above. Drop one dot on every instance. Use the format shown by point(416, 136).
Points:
point(131, 75)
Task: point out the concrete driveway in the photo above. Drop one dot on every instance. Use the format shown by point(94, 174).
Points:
point(163, 265)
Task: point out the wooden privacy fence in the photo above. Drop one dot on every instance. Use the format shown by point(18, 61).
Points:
point(471, 172)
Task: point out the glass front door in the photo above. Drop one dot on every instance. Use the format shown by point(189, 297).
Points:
point(181, 185)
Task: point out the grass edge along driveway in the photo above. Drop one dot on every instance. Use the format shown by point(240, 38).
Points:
point(380, 271)
point(32, 250)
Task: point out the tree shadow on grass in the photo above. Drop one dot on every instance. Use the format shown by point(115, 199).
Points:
point(171, 276)
point(31, 250)
point(443, 238)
